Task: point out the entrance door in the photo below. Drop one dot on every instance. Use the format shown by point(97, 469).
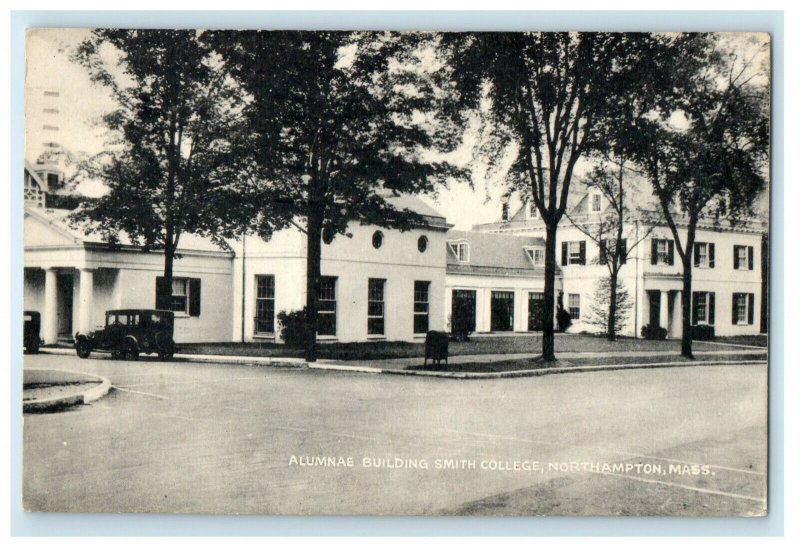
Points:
point(502, 311)
point(655, 307)
point(64, 305)
point(535, 310)
point(463, 312)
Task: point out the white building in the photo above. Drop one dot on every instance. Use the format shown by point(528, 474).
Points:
point(378, 284)
point(381, 284)
point(726, 276)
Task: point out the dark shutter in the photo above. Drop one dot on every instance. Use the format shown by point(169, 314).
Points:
point(710, 255)
point(734, 315)
point(671, 252)
point(653, 251)
point(750, 258)
point(564, 254)
point(711, 307)
point(736, 264)
point(582, 250)
point(623, 253)
point(694, 308)
point(163, 294)
point(696, 255)
point(751, 304)
point(603, 252)
point(194, 297)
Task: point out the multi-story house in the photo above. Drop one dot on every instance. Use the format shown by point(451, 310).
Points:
point(726, 275)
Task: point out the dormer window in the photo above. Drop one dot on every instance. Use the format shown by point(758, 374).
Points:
point(536, 255)
point(596, 203)
point(533, 212)
point(460, 249)
point(504, 213)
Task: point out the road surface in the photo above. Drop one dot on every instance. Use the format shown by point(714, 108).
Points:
point(206, 438)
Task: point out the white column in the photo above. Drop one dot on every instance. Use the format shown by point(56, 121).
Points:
point(677, 315)
point(86, 301)
point(663, 319)
point(50, 315)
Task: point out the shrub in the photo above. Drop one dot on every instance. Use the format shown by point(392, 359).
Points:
point(293, 327)
point(654, 332)
point(563, 319)
point(702, 332)
point(460, 330)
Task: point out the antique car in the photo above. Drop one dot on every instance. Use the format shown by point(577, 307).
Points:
point(30, 332)
point(127, 333)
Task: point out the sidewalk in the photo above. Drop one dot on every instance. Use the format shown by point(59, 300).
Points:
point(398, 366)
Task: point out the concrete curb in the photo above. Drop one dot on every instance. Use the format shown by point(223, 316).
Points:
point(564, 370)
point(294, 362)
point(53, 403)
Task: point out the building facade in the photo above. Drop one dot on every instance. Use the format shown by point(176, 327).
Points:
point(726, 268)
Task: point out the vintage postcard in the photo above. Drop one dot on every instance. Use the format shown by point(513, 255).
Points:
point(382, 273)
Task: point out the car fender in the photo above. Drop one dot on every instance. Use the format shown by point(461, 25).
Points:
point(132, 339)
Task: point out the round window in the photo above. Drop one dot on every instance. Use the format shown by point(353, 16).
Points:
point(327, 235)
point(422, 244)
point(377, 239)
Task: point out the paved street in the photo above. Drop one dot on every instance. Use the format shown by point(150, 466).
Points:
point(207, 438)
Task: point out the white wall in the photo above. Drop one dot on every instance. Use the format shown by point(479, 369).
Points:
point(353, 261)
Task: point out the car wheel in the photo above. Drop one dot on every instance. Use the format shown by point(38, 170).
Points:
point(167, 350)
point(130, 351)
point(116, 354)
point(83, 348)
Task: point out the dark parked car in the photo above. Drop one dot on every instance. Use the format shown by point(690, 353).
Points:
point(130, 332)
point(30, 333)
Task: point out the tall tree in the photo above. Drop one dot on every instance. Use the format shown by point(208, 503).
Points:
point(339, 122)
point(173, 142)
point(615, 230)
point(710, 140)
point(548, 96)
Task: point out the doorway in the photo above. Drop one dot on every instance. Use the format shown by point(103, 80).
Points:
point(654, 298)
point(64, 290)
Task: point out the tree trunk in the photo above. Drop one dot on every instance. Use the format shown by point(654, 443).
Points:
point(313, 274)
point(612, 306)
point(686, 309)
point(548, 334)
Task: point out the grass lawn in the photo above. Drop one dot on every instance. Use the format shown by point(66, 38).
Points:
point(537, 363)
point(477, 345)
point(759, 340)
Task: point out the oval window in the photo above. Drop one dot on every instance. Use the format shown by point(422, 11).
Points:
point(377, 239)
point(422, 244)
point(327, 235)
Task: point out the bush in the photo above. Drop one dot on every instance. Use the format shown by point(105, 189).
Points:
point(654, 332)
point(702, 332)
point(460, 330)
point(563, 319)
point(293, 328)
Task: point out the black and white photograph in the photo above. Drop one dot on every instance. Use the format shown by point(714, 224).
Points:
point(371, 272)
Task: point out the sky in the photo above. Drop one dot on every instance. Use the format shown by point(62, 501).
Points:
point(81, 104)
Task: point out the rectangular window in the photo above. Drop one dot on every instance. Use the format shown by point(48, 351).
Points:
point(183, 297)
point(48, 127)
point(51, 93)
point(662, 252)
point(180, 295)
point(596, 203)
point(703, 255)
point(742, 257)
point(375, 307)
point(421, 306)
point(743, 304)
point(505, 212)
point(265, 304)
point(536, 255)
point(461, 250)
point(573, 252)
point(326, 314)
point(575, 306)
point(533, 212)
point(703, 304)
